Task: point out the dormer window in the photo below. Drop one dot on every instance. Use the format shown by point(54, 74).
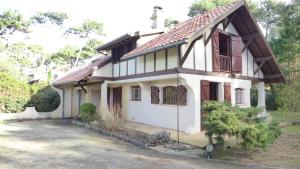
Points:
point(120, 50)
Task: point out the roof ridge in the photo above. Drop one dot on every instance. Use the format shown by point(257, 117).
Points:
point(183, 30)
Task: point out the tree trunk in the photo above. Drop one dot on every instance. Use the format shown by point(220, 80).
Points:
point(77, 57)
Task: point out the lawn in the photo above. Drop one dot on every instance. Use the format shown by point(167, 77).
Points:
point(284, 152)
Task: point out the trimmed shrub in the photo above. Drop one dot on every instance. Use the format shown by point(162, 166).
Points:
point(44, 98)
point(254, 96)
point(87, 112)
point(14, 94)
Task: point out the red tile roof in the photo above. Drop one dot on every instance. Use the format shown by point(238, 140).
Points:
point(183, 30)
point(79, 74)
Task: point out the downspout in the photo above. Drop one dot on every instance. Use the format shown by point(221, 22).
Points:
point(177, 82)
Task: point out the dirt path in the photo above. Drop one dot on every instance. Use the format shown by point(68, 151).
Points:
point(49, 144)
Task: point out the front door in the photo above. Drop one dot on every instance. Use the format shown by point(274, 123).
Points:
point(209, 91)
point(117, 100)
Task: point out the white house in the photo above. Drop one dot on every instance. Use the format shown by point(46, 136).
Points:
point(160, 77)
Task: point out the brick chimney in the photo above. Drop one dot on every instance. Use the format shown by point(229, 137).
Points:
point(157, 18)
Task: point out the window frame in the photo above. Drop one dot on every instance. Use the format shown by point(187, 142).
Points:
point(174, 95)
point(133, 90)
point(239, 96)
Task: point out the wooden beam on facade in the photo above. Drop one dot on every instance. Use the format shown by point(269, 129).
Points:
point(228, 20)
point(259, 66)
point(247, 44)
point(82, 88)
point(186, 54)
point(261, 59)
point(250, 36)
point(211, 33)
point(272, 76)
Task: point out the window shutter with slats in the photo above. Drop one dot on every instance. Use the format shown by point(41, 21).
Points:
point(181, 95)
point(154, 95)
point(236, 51)
point(215, 52)
point(227, 91)
point(204, 90)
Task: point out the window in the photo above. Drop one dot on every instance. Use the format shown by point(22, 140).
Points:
point(173, 95)
point(224, 47)
point(136, 93)
point(119, 51)
point(169, 95)
point(239, 96)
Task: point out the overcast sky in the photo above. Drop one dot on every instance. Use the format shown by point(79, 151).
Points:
point(118, 16)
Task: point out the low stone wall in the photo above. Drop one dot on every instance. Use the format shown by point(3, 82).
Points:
point(29, 113)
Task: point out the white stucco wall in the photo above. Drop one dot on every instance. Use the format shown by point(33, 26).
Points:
point(105, 71)
point(150, 62)
point(160, 60)
point(158, 114)
point(131, 66)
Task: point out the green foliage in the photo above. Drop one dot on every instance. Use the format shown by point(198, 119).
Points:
point(11, 21)
point(14, 94)
point(254, 96)
point(88, 27)
point(65, 55)
point(201, 6)
point(224, 120)
point(288, 96)
point(88, 112)
point(44, 98)
point(271, 100)
point(57, 18)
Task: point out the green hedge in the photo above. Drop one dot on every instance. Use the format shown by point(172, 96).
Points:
point(16, 95)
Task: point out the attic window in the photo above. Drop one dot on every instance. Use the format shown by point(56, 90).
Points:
point(119, 51)
point(224, 42)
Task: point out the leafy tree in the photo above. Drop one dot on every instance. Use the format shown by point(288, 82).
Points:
point(201, 6)
point(11, 21)
point(90, 48)
point(170, 22)
point(65, 55)
point(268, 13)
point(85, 31)
point(55, 18)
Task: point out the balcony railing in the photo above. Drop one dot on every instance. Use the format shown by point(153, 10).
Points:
point(225, 63)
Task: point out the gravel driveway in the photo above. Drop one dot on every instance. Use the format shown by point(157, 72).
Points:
point(51, 144)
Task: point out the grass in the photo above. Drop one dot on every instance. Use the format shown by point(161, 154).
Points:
point(284, 152)
point(285, 117)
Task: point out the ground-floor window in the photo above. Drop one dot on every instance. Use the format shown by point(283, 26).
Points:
point(169, 95)
point(174, 95)
point(136, 93)
point(239, 96)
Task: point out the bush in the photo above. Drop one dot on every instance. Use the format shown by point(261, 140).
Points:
point(88, 112)
point(44, 98)
point(14, 94)
point(224, 120)
point(271, 101)
point(254, 96)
